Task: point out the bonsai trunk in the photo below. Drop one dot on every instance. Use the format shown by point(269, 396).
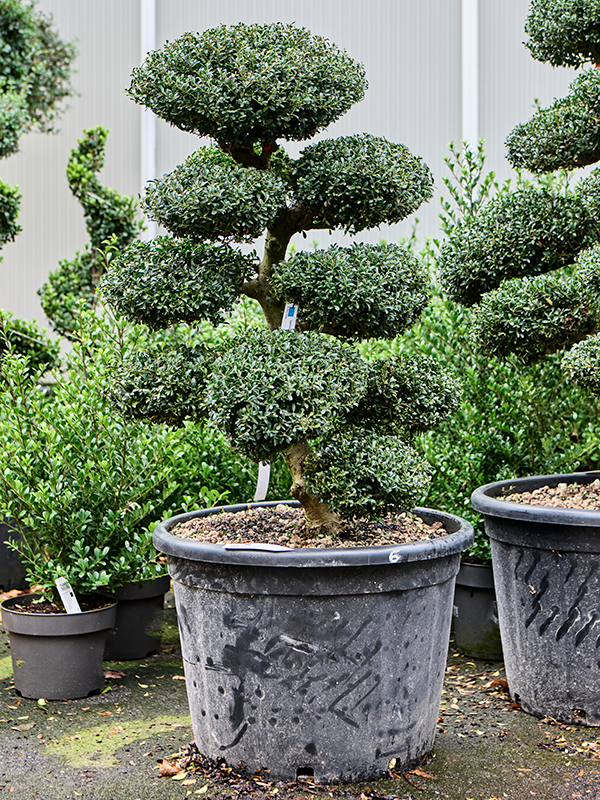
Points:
point(318, 516)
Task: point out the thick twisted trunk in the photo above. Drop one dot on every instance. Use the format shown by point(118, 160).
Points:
point(318, 516)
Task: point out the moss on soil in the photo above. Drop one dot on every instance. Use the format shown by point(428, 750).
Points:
point(98, 745)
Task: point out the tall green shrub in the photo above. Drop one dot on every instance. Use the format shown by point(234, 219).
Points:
point(528, 260)
point(109, 215)
point(344, 426)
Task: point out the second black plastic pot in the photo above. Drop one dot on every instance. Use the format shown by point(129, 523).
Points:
point(138, 605)
point(547, 575)
point(57, 656)
point(475, 620)
point(323, 662)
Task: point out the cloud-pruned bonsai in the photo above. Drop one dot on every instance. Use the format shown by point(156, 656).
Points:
point(529, 259)
point(342, 424)
point(109, 215)
point(35, 70)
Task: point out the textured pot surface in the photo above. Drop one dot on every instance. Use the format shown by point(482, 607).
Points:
point(475, 619)
point(137, 608)
point(57, 656)
point(547, 574)
point(325, 662)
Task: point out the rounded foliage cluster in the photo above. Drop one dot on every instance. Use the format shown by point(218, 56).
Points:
point(164, 382)
point(211, 197)
point(362, 291)
point(527, 232)
point(68, 288)
point(35, 63)
point(25, 338)
point(536, 316)
point(364, 474)
point(405, 394)
point(564, 32)
point(168, 280)
point(12, 121)
point(10, 200)
point(582, 364)
point(359, 182)
point(246, 84)
point(565, 135)
point(271, 389)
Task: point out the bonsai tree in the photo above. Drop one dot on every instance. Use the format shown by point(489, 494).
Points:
point(35, 69)
point(109, 215)
point(343, 425)
point(528, 259)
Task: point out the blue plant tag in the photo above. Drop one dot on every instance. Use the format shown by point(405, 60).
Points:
point(290, 315)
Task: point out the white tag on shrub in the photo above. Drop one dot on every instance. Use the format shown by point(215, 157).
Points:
point(262, 485)
point(290, 315)
point(67, 595)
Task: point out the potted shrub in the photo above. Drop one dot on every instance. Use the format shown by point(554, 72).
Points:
point(36, 67)
point(528, 260)
point(325, 659)
point(81, 486)
point(513, 419)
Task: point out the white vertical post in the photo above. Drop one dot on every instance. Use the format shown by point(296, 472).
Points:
point(470, 72)
point(148, 119)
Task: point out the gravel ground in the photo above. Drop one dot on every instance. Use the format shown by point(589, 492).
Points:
point(112, 747)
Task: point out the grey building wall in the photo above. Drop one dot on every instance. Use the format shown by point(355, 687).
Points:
point(412, 53)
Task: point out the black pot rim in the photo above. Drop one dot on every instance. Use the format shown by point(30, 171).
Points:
point(6, 605)
point(486, 500)
point(454, 543)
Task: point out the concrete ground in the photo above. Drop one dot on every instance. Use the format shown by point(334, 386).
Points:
point(109, 747)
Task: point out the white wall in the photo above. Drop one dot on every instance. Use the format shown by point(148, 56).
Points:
point(412, 53)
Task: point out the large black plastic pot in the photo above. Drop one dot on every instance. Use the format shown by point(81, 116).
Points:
point(323, 662)
point(547, 575)
point(137, 607)
point(57, 656)
point(475, 620)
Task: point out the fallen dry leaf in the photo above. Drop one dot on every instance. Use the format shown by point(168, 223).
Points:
point(420, 772)
point(26, 727)
point(113, 673)
point(497, 683)
point(166, 768)
point(178, 677)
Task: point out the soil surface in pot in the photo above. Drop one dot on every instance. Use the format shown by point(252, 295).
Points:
point(285, 526)
point(46, 607)
point(572, 495)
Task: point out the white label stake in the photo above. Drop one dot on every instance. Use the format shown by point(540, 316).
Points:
point(67, 595)
point(288, 323)
point(262, 485)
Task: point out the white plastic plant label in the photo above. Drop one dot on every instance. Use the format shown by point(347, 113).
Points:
point(290, 315)
point(262, 484)
point(67, 595)
point(266, 548)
